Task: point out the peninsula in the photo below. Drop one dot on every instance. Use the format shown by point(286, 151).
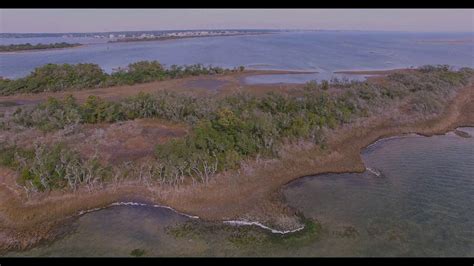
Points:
point(39, 46)
point(218, 155)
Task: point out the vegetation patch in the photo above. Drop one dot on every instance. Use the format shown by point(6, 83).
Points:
point(246, 237)
point(52, 167)
point(188, 229)
point(60, 77)
point(312, 231)
point(137, 252)
point(226, 131)
point(39, 46)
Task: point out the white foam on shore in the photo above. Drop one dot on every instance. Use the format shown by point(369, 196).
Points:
point(130, 203)
point(373, 171)
point(247, 223)
point(230, 222)
point(388, 138)
point(90, 210)
point(154, 206)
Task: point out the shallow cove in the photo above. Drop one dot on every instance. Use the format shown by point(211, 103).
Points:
point(420, 205)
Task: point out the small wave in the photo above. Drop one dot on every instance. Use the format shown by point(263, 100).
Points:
point(90, 210)
point(373, 171)
point(247, 223)
point(230, 222)
point(154, 206)
point(129, 203)
point(381, 140)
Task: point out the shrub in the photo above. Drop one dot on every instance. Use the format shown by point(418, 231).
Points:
point(50, 115)
point(325, 85)
point(53, 167)
point(225, 131)
point(60, 77)
point(39, 46)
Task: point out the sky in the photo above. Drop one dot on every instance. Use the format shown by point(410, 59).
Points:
point(100, 20)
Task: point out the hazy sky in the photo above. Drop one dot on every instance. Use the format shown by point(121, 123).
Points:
point(97, 20)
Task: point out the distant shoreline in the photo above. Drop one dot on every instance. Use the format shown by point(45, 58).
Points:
point(166, 38)
point(452, 42)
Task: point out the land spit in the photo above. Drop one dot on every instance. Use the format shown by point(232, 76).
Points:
point(252, 193)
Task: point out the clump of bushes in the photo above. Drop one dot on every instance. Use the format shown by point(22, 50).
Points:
point(60, 77)
point(56, 114)
point(48, 167)
point(248, 238)
point(39, 46)
point(429, 86)
point(53, 77)
point(50, 115)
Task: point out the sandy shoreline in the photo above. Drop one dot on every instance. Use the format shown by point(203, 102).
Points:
point(25, 222)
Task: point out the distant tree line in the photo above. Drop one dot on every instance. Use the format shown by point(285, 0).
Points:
point(39, 46)
point(227, 130)
point(54, 77)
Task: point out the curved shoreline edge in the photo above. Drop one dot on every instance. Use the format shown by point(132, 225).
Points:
point(246, 222)
point(259, 200)
point(230, 222)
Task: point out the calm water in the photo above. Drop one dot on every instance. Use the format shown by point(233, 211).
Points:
point(324, 52)
point(420, 205)
point(300, 78)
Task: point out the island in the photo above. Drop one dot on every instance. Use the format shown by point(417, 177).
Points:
point(39, 46)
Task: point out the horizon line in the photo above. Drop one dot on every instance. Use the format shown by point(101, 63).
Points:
point(210, 29)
